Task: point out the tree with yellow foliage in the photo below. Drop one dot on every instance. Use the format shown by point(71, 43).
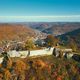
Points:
point(29, 44)
point(72, 45)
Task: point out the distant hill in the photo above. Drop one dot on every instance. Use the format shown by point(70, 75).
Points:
point(17, 32)
point(73, 35)
point(42, 27)
point(59, 29)
point(35, 29)
point(54, 28)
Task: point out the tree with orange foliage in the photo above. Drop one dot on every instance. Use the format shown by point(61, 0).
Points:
point(51, 40)
point(6, 75)
point(20, 68)
point(40, 64)
point(1, 76)
point(59, 78)
point(9, 63)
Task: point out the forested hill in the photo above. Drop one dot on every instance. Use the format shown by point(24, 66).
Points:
point(54, 28)
point(73, 34)
point(12, 31)
point(71, 39)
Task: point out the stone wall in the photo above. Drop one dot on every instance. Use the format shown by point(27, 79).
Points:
point(23, 54)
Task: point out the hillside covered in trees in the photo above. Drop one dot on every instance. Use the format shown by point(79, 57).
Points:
point(54, 28)
point(39, 68)
point(12, 31)
point(71, 39)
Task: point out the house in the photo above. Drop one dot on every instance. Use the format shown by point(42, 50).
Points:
point(66, 50)
point(1, 50)
point(40, 42)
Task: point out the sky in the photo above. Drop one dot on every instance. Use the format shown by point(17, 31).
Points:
point(39, 10)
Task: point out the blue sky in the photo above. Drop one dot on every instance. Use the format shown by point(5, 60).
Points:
point(39, 10)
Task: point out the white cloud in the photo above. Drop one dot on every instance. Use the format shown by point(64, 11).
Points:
point(40, 18)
